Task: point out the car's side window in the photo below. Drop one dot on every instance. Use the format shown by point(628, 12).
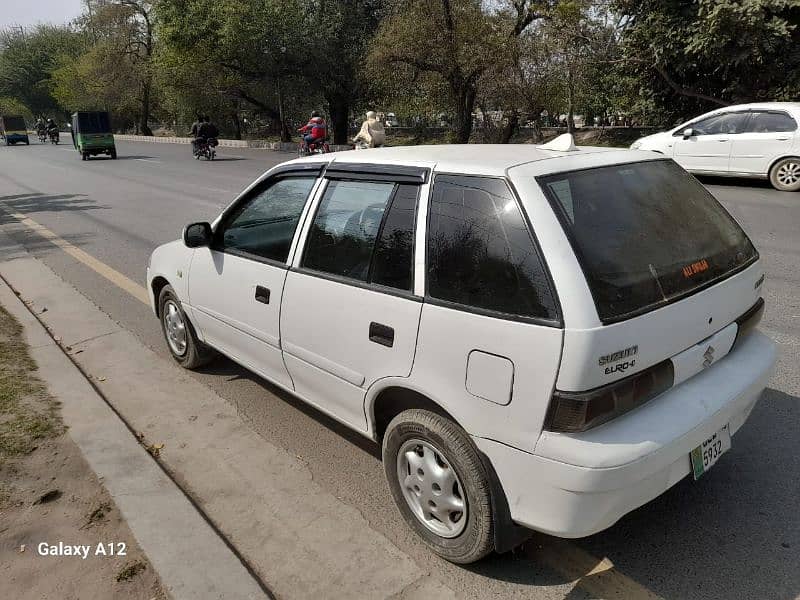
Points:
point(726, 123)
point(363, 230)
point(770, 122)
point(263, 225)
point(480, 252)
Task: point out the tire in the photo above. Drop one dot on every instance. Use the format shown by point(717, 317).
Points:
point(191, 353)
point(114, 155)
point(785, 174)
point(455, 459)
point(84, 156)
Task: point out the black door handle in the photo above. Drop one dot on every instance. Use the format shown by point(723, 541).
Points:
point(381, 334)
point(262, 294)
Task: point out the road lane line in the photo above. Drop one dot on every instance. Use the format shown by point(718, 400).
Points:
point(150, 160)
point(598, 577)
point(121, 281)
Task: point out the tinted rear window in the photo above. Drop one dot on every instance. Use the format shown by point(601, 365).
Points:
point(14, 123)
point(94, 122)
point(646, 234)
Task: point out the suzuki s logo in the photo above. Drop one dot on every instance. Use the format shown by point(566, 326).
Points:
point(708, 357)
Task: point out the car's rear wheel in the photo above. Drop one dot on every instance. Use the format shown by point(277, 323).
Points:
point(785, 174)
point(186, 349)
point(439, 484)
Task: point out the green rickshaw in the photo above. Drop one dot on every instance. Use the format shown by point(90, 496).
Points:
point(13, 129)
point(91, 134)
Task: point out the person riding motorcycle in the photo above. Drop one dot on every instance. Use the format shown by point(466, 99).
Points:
point(195, 132)
point(52, 128)
point(315, 130)
point(40, 128)
point(206, 131)
point(372, 134)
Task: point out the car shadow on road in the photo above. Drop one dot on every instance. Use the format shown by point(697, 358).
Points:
point(228, 158)
point(742, 182)
point(128, 157)
point(224, 367)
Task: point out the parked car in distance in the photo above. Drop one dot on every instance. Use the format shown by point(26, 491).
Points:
point(746, 140)
point(539, 337)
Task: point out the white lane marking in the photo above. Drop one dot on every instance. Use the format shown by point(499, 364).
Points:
point(150, 160)
point(136, 290)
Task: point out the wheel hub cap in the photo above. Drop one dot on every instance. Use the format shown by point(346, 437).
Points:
point(789, 174)
point(175, 328)
point(432, 488)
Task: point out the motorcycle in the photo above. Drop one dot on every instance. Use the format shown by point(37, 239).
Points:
point(315, 147)
point(53, 137)
point(206, 149)
point(42, 136)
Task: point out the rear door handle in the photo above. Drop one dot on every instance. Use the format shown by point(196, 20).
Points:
point(381, 334)
point(262, 294)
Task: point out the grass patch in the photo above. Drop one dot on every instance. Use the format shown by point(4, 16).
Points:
point(131, 570)
point(27, 412)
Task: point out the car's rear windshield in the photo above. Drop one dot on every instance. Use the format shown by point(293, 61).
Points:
point(14, 123)
point(94, 122)
point(646, 234)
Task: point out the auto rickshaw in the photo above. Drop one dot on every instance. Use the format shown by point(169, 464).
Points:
point(13, 129)
point(91, 134)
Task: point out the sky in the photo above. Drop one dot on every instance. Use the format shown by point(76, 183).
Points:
point(31, 12)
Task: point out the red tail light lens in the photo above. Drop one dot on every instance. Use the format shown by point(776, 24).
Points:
point(572, 412)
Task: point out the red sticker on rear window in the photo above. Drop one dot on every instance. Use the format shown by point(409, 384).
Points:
point(695, 268)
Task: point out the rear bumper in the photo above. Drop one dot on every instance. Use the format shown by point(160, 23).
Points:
point(577, 485)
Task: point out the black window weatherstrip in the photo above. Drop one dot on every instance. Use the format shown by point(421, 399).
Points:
point(377, 172)
point(373, 287)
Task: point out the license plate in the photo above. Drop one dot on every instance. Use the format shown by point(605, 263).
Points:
point(707, 454)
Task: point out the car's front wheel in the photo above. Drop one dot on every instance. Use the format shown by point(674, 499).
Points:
point(440, 485)
point(785, 175)
point(186, 349)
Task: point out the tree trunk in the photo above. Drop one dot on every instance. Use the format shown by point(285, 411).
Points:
point(237, 126)
point(510, 128)
point(570, 102)
point(465, 94)
point(144, 128)
point(340, 115)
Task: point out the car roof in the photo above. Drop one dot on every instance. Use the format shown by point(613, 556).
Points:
point(469, 159)
point(761, 105)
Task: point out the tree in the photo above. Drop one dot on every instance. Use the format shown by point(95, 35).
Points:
point(691, 55)
point(27, 59)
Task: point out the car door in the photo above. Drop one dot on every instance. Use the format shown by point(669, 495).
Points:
point(349, 314)
point(768, 135)
point(490, 335)
point(708, 149)
point(236, 284)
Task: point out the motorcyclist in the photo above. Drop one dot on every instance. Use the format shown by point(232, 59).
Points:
point(208, 129)
point(40, 128)
point(52, 128)
point(195, 132)
point(372, 134)
point(315, 130)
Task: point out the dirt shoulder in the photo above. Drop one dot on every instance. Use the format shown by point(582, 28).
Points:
point(50, 500)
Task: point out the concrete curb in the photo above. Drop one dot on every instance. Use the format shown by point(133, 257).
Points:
point(255, 144)
point(190, 557)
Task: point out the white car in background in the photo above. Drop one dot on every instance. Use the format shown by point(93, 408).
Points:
point(748, 140)
point(546, 337)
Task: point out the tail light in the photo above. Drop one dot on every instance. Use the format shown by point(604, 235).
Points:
point(749, 320)
point(572, 412)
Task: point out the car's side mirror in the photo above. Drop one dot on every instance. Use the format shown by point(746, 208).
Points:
point(197, 235)
point(687, 133)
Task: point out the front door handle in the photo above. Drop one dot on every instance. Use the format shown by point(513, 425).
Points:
point(381, 334)
point(262, 294)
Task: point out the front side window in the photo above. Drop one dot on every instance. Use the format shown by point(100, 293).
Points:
point(264, 225)
point(645, 234)
point(770, 122)
point(364, 230)
point(726, 123)
point(480, 252)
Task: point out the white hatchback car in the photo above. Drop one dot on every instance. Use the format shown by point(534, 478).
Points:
point(748, 140)
point(539, 339)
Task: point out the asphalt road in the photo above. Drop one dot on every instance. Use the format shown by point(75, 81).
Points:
point(735, 533)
